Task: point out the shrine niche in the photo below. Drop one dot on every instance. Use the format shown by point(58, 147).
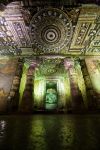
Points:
point(51, 98)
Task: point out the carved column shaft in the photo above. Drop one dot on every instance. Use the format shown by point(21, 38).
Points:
point(27, 98)
point(95, 79)
point(81, 83)
point(77, 102)
point(89, 89)
point(13, 98)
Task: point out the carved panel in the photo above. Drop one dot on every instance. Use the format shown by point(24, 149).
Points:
point(60, 30)
point(49, 67)
point(86, 30)
point(16, 24)
point(5, 35)
point(51, 30)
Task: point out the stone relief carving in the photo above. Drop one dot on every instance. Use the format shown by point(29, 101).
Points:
point(51, 29)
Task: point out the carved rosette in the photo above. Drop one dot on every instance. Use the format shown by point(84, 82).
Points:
point(51, 30)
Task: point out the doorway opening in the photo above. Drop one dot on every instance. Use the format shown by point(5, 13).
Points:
point(51, 98)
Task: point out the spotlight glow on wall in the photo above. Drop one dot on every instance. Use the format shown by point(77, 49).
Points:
point(94, 74)
point(23, 81)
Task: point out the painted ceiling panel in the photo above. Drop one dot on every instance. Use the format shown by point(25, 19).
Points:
point(49, 30)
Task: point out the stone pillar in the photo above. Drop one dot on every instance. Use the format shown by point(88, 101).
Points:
point(26, 105)
point(77, 101)
point(13, 98)
point(95, 79)
point(63, 90)
point(81, 83)
point(97, 63)
point(39, 93)
point(92, 104)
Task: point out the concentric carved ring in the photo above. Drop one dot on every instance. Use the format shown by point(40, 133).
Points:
point(51, 29)
point(51, 34)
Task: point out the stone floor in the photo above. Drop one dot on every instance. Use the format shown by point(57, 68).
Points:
point(50, 132)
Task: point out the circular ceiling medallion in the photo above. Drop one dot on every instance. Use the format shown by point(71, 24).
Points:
point(50, 34)
point(51, 29)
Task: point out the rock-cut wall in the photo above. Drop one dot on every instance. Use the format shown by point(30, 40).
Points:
point(7, 71)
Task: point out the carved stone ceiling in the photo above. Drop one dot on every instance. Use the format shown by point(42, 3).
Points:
point(45, 30)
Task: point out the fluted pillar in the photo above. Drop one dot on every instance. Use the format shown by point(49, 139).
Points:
point(81, 83)
point(13, 98)
point(39, 93)
point(77, 101)
point(95, 79)
point(92, 105)
point(26, 105)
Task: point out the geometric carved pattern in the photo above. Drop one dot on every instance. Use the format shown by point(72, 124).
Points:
point(14, 16)
point(19, 31)
point(5, 35)
point(51, 29)
point(86, 38)
point(82, 32)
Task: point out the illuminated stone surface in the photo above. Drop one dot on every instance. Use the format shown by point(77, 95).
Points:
point(62, 43)
point(51, 29)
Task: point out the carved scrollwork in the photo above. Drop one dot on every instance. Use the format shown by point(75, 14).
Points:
point(51, 29)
